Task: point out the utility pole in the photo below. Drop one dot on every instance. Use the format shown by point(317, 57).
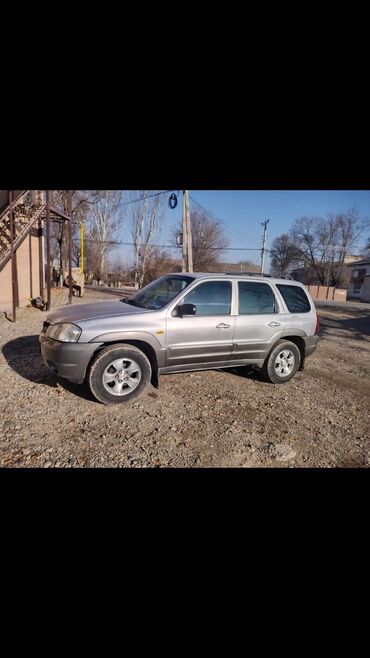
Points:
point(263, 250)
point(188, 231)
point(69, 211)
point(187, 246)
point(184, 235)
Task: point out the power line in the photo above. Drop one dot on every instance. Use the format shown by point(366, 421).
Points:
point(239, 235)
point(171, 246)
point(149, 196)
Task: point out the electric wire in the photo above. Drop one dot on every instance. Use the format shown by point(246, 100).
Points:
point(238, 235)
point(170, 246)
point(148, 196)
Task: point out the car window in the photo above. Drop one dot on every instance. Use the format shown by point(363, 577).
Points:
point(295, 298)
point(160, 292)
point(255, 298)
point(211, 298)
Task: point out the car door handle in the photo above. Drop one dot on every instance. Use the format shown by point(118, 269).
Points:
point(222, 325)
point(274, 324)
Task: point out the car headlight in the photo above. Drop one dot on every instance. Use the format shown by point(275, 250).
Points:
point(65, 332)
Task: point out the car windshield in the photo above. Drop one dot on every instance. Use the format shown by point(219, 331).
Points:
point(160, 292)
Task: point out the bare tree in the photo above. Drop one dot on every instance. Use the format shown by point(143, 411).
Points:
point(119, 269)
point(59, 230)
point(145, 210)
point(284, 256)
point(208, 240)
point(104, 219)
point(158, 263)
point(81, 202)
point(313, 238)
point(324, 243)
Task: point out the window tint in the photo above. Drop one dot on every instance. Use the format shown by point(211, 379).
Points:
point(160, 291)
point(212, 298)
point(295, 298)
point(255, 298)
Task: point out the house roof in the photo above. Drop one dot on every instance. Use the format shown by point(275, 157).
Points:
point(359, 262)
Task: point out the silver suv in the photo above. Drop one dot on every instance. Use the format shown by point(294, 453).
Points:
point(182, 322)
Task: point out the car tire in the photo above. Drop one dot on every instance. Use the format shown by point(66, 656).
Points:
point(119, 373)
point(282, 363)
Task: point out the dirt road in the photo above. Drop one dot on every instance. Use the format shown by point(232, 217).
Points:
point(202, 419)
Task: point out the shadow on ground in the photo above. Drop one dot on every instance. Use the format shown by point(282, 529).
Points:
point(357, 326)
point(247, 372)
point(23, 356)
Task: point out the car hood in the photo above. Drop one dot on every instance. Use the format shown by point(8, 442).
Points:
point(95, 310)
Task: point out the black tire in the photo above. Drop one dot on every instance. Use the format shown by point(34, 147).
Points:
point(102, 368)
point(274, 370)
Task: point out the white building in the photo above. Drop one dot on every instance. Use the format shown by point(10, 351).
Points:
point(359, 283)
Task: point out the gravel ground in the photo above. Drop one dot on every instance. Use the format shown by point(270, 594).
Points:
point(212, 418)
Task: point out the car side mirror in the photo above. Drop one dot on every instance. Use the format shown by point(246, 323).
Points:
point(186, 309)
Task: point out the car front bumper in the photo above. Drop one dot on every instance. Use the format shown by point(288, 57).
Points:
point(67, 360)
point(310, 344)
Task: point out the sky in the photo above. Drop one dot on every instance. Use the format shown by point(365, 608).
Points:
point(242, 211)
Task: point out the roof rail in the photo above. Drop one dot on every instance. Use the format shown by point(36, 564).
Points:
point(247, 274)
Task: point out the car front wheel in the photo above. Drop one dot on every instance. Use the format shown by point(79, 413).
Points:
point(120, 373)
point(282, 363)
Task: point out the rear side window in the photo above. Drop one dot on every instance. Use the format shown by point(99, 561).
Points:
point(295, 298)
point(255, 298)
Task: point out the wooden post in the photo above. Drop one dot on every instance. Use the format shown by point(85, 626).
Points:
point(11, 227)
point(30, 259)
point(184, 235)
point(16, 279)
point(69, 212)
point(41, 258)
point(188, 232)
point(263, 250)
point(48, 284)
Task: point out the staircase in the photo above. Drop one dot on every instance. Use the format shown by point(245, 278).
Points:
point(27, 209)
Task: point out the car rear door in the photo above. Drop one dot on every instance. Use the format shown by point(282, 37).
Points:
point(260, 320)
point(302, 313)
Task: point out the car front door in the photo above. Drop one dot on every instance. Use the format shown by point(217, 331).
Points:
point(260, 319)
point(207, 336)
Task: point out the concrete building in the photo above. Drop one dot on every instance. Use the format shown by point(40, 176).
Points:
point(22, 275)
point(359, 282)
point(25, 216)
point(308, 275)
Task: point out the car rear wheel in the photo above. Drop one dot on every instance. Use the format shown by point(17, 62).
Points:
point(120, 373)
point(282, 363)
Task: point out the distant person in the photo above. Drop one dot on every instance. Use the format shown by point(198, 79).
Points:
point(74, 285)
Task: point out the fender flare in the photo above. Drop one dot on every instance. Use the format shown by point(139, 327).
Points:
point(143, 336)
